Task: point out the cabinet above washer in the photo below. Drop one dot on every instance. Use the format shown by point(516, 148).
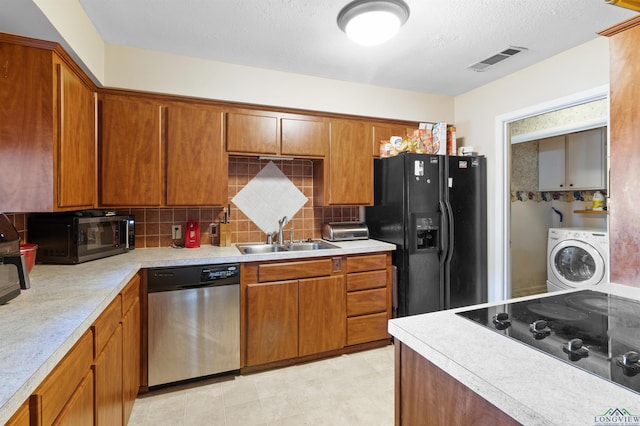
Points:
point(576, 161)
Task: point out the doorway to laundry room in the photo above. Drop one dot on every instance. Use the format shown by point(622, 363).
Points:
point(558, 163)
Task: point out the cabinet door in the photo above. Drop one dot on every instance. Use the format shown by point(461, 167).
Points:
point(26, 134)
point(272, 322)
point(586, 159)
point(108, 376)
point(197, 165)
point(350, 164)
point(79, 410)
point(58, 388)
point(322, 315)
point(130, 358)
point(131, 152)
point(304, 137)
point(20, 417)
point(77, 185)
point(252, 133)
point(383, 132)
point(551, 164)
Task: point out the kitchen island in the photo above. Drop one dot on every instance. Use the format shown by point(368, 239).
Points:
point(494, 377)
point(44, 322)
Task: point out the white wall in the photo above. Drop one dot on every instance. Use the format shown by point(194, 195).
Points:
point(69, 19)
point(153, 71)
point(580, 69)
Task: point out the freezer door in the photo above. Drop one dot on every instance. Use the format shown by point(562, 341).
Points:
point(467, 270)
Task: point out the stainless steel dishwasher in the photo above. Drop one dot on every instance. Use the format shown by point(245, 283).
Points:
point(194, 321)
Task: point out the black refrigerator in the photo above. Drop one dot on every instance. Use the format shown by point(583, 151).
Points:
point(434, 209)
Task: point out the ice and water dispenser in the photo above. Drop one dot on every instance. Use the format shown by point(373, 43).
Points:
point(426, 232)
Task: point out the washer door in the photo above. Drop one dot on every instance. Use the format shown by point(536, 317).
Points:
point(576, 264)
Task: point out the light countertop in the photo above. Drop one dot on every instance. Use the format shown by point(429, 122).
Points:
point(40, 326)
point(530, 386)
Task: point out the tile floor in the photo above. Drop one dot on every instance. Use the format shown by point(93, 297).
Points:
point(355, 389)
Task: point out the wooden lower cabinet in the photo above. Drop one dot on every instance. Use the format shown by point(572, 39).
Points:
point(109, 393)
point(56, 392)
point(272, 321)
point(426, 395)
point(321, 317)
point(368, 297)
point(131, 341)
point(79, 410)
point(84, 389)
point(20, 417)
point(310, 308)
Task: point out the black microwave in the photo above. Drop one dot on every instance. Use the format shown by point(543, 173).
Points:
point(68, 238)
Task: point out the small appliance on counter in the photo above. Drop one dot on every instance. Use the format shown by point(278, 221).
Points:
point(192, 235)
point(345, 231)
point(76, 237)
point(13, 268)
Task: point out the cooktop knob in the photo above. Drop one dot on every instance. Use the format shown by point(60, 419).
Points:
point(575, 349)
point(629, 363)
point(501, 321)
point(540, 329)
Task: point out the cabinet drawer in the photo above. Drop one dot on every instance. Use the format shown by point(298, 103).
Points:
point(52, 395)
point(130, 293)
point(367, 328)
point(366, 302)
point(366, 280)
point(107, 323)
point(366, 263)
point(294, 270)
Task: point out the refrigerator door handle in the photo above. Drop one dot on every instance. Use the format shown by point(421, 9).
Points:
point(449, 255)
point(444, 226)
point(450, 232)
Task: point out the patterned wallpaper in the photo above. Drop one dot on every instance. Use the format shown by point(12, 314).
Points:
point(524, 156)
point(577, 114)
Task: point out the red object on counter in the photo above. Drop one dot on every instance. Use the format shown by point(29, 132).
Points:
point(29, 251)
point(192, 235)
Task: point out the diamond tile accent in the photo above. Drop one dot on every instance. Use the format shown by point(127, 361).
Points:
point(268, 197)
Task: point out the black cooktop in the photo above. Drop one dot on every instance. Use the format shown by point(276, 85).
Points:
point(591, 330)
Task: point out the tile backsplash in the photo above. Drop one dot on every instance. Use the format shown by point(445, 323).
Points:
point(153, 225)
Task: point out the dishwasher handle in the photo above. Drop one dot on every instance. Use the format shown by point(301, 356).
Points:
point(204, 285)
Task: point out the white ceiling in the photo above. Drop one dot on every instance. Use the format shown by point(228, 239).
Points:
point(430, 54)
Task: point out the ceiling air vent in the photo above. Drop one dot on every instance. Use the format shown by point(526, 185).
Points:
point(498, 57)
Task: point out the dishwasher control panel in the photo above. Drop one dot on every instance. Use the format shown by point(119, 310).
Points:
point(219, 272)
point(184, 277)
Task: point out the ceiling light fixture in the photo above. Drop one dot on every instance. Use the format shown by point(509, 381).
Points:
point(372, 22)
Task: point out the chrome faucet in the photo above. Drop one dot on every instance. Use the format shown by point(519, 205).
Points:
point(282, 222)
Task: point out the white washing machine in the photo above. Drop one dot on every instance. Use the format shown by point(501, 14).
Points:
point(576, 258)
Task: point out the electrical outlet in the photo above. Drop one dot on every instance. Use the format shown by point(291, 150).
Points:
point(176, 232)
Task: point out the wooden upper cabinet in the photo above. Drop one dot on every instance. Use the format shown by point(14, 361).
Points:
point(197, 164)
point(48, 142)
point(304, 137)
point(77, 168)
point(252, 133)
point(384, 131)
point(273, 133)
point(349, 178)
point(131, 143)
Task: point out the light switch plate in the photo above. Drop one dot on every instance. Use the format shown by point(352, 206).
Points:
point(176, 232)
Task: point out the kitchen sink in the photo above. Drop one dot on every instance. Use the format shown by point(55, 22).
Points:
point(261, 248)
point(310, 245)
